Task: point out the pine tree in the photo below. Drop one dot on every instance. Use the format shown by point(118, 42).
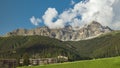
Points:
point(26, 59)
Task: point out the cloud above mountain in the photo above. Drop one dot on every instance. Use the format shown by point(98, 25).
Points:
point(35, 21)
point(106, 12)
point(49, 16)
point(72, 2)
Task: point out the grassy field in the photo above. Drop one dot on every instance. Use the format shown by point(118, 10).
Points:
point(98, 63)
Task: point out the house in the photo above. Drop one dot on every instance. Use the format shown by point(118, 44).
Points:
point(40, 61)
point(63, 57)
point(8, 63)
point(44, 61)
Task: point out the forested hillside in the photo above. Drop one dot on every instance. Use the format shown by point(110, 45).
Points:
point(35, 46)
point(106, 45)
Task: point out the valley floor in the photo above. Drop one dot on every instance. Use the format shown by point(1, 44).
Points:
point(113, 62)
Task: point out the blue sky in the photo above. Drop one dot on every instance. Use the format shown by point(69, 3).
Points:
point(27, 14)
point(17, 13)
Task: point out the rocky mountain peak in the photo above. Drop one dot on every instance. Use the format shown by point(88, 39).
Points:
point(91, 30)
point(95, 23)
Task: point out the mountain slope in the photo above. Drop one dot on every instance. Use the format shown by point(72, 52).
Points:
point(35, 46)
point(68, 33)
point(106, 45)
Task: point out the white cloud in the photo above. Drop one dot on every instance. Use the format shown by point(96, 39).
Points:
point(97, 10)
point(35, 21)
point(106, 12)
point(49, 16)
point(72, 2)
point(116, 17)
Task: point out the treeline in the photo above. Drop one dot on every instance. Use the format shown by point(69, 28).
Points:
point(106, 45)
point(36, 47)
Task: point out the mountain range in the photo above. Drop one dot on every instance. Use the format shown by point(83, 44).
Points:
point(68, 33)
point(91, 41)
point(105, 45)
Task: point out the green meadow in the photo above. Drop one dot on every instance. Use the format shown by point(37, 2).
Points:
point(113, 62)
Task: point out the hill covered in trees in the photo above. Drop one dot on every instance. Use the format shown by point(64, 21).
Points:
point(106, 45)
point(35, 47)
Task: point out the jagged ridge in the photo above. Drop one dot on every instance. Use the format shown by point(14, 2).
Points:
point(68, 33)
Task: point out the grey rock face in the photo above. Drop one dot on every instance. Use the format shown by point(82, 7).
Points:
point(89, 31)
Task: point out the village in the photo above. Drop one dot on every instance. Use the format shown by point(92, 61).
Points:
point(12, 63)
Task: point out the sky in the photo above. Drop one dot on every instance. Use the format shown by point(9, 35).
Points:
point(30, 14)
point(17, 13)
